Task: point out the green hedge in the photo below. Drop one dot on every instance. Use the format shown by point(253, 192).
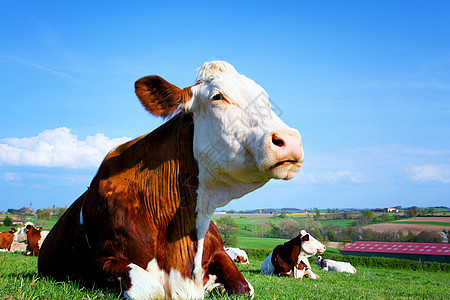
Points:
point(257, 254)
point(364, 261)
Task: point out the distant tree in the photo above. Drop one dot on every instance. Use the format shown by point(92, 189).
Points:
point(7, 221)
point(428, 237)
point(412, 212)
point(59, 211)
point(23, 218)
point(44, 214)
point(331, 234)
point(317, 234)
point(345, 215)
point(264, 227)
point(431, 211)
point(283, 213)
point(410, 237)
point(367, 214)
point(400, 236)
point(229, 230)
point(24, 210)
point(385, 217)
point(317, 215)
point(289, 228)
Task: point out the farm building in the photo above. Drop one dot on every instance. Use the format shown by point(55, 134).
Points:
point(424, 251)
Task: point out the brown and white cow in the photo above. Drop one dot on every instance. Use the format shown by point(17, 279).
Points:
point(219, 269)
point(291, 258)
point(6, 239)
point(237, 255)
point(35, 237)
point(142, 222)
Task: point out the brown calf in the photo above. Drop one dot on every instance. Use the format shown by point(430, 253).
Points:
point(34, 236)
point(6, 239)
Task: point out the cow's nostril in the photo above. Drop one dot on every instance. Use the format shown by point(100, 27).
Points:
point(277, 141)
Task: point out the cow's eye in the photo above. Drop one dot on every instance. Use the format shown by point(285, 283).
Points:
point(217, 97)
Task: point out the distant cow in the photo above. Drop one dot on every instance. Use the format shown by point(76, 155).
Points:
point(219, 269)
point(142, 222)
point(291, 258)
point(6, 239)
point(237, 255)
point(35, 237)
point(21, 235)
point(332, 265)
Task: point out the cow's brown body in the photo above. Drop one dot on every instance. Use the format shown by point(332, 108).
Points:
point(285, 257)
point(33, 236)
point(143, 197)
point(143, 222)
point(217, 262)
point(6, 239)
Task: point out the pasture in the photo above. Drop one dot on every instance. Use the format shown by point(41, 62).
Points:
point(416, 225)
point(19, 280)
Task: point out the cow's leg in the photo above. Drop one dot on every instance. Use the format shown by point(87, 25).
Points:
point(309, 272)
point(229, 275)
point(136, 282)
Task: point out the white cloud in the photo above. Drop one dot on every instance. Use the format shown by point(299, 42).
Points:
point(9, 176)
point(354, 177)
point(440, 173)
point(341, 176)
point(57, 148)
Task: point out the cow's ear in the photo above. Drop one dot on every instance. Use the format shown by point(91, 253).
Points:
point(38, 228)
point(305, 237)
point(160, 97)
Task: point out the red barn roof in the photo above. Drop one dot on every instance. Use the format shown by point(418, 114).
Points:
point(399, 247)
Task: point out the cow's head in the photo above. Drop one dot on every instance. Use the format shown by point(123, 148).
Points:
point(237, 137)
point(310, 246)
point(320, 262)
point(20, 235)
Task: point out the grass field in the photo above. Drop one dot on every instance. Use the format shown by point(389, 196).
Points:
point(263, 243)
point(46, 225)
point(19, 280)
point(425, 223)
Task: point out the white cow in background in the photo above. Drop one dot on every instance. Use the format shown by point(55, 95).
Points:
point(332, 265)
point(237, 255)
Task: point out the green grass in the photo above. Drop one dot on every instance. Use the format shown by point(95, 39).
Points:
point(262, 243)
point(424, 223)
point(366, 284)
point(46, 225)
point(339, 222)
point(19, 280)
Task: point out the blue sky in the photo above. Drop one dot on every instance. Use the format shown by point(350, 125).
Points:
point(367, 84)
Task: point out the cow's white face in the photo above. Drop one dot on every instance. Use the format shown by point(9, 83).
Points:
point(310, 245)
point(239, 142)
point(20, 235)
point(237, 136)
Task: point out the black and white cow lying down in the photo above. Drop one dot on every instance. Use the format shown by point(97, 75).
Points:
point(332, 265)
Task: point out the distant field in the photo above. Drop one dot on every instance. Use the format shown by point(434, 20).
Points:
point(262, 243)
point(427, 223)
point(342, 223)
